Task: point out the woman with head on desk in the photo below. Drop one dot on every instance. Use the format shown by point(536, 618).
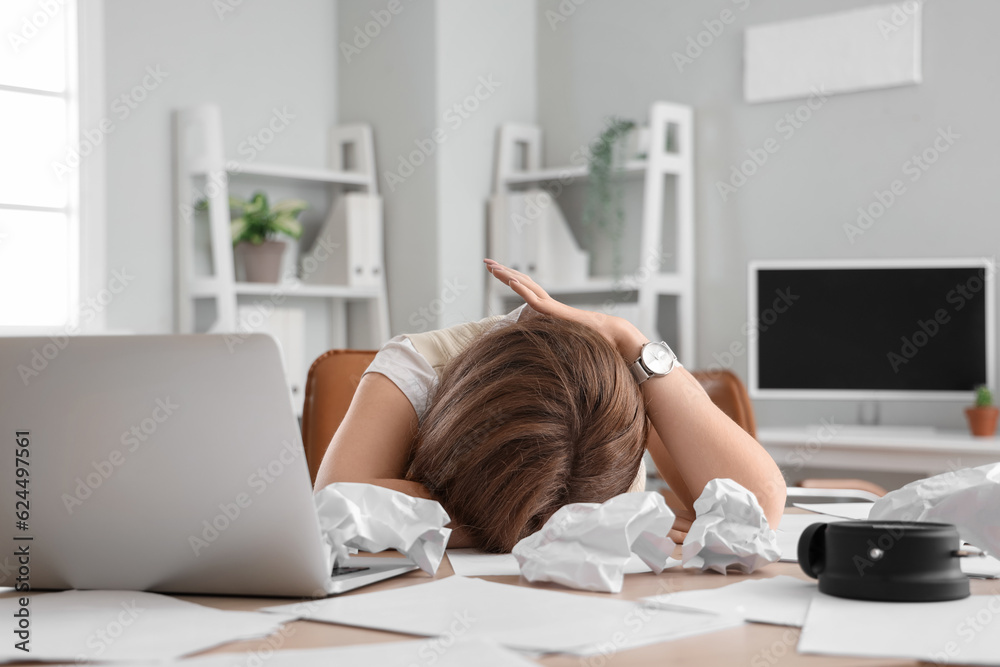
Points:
point(507, 419)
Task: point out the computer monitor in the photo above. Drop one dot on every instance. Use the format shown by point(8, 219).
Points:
point(871, 330)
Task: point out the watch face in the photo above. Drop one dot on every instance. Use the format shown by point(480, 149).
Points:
point(658, 358)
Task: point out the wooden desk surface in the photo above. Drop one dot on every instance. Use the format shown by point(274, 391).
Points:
point(753, 644)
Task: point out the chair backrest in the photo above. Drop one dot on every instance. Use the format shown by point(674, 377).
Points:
point(330, 386)
point(335, 375)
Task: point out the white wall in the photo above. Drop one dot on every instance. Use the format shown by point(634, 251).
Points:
point(485, 77)
point(251, 60)
point(617, 57)
point(390, 83)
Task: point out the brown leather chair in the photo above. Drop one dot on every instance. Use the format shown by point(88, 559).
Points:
point(335, 375)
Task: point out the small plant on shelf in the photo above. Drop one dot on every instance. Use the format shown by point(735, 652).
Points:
point(604, 210)
point(983, 415)
point(255, 226)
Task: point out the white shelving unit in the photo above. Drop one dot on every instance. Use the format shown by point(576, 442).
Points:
point(357, 311)
point(518, 166)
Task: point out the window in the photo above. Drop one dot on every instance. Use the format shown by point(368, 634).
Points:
point(39, 165)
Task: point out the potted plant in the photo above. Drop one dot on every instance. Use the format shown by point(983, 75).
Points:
point(983, 415)
point(604, 210)
point(254, 226)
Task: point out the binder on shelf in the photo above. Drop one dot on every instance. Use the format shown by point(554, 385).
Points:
point(348, 250)
point(529, 233)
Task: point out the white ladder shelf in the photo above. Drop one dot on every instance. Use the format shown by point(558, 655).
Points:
point(671, 153)
point(199, 154)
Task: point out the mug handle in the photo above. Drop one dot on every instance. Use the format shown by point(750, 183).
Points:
point(812, 550)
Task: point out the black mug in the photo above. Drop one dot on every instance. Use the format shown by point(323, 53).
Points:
point(892, 561)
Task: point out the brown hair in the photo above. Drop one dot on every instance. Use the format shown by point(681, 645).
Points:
point(529, 417)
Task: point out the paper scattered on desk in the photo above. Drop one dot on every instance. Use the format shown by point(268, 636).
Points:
point(853, 511)
point(729, 531)
point(126, 625)
point(587, 545)
point(779, 600)
point(373, 518)
point(450, 651)
point(519, 617)
point(474, 563)
point(967, 498)
point(954, 632)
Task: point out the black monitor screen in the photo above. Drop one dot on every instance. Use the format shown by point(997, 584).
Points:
point(872, 329)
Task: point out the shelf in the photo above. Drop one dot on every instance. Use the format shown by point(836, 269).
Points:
point(665, 283)
point(567, 173)
point(293, 173)
point(208, 288)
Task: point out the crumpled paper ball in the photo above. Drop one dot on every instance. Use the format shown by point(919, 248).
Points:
point(373, 518)
point(968, 498)
point(729, 531)
point(586, 545)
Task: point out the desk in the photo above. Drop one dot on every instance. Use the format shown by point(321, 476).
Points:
point(752, 645)
point(924, 452)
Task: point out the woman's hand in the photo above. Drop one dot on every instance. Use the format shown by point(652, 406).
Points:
point(621, 333)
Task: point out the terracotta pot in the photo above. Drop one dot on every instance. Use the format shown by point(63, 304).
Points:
point(983, 421)
point(261, 263)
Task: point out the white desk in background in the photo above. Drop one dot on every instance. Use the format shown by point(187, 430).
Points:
point(922, 451)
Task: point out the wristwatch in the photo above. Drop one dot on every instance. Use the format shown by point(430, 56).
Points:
point(655, 360)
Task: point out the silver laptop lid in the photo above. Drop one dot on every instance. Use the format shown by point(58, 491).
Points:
point(165, 463)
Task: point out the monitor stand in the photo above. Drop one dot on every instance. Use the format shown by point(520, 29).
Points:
point(869, 413)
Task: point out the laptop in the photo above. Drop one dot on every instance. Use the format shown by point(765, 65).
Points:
point(161, 463)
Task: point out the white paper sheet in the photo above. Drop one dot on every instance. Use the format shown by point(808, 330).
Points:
point(450, 651)
point(518, 617)
point(126, 625)
point(473, 563)
point(779, 600)
point(853, 511)
point(955, 632)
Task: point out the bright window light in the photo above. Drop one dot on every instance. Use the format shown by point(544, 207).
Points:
point(39, 220)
